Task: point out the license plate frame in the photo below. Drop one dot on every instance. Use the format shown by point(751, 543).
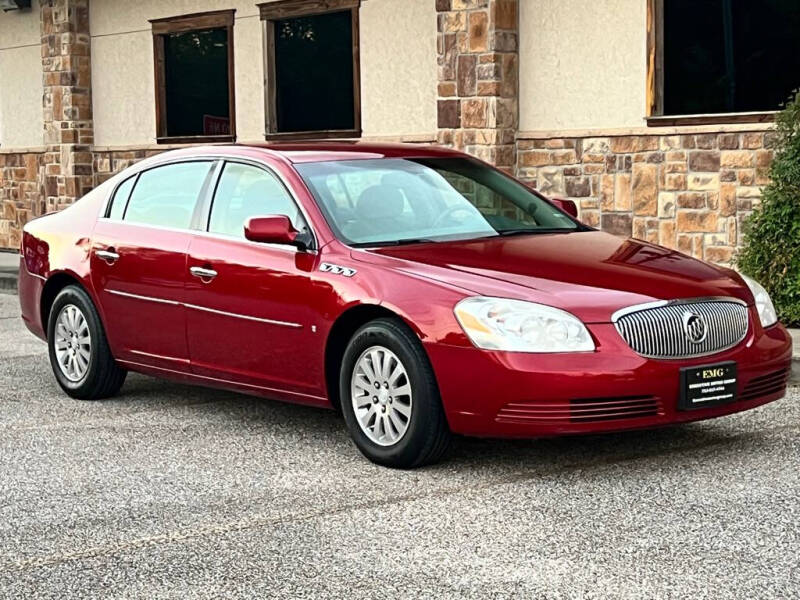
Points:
point(708, 385)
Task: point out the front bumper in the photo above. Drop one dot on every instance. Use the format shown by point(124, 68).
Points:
point(503, 394)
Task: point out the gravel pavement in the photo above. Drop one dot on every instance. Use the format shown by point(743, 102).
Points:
point(170, 491)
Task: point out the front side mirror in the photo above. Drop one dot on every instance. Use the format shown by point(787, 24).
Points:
point(568, 206)
point(274, 229)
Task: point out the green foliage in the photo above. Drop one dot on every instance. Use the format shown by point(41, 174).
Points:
point(771, 252)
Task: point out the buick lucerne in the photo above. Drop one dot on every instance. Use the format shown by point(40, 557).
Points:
point(418, 291)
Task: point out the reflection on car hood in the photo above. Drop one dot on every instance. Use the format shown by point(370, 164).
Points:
point(590, 274)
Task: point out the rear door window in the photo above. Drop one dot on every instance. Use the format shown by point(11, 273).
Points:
point(166, 196)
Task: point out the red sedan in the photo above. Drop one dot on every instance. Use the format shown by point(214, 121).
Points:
point(417, 290)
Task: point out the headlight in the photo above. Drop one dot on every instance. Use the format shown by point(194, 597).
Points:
point(766, 310)
point(518, 326)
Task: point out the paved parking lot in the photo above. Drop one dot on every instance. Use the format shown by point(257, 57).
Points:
point(174, 491)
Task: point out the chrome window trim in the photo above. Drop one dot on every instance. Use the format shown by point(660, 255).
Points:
point(161, 161)
point(659, 303)
point(205, 309)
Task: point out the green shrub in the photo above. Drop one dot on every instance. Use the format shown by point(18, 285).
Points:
point(771, 251)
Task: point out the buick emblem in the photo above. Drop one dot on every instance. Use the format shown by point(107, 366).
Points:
point(694, 326)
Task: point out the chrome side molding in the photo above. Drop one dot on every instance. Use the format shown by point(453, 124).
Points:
point(144, 298)
point(206, 309)
point(245, 317)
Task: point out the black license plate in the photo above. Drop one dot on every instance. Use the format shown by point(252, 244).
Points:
point(709, 385)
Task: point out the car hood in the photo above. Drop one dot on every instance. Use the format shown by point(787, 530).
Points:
point(591, 274)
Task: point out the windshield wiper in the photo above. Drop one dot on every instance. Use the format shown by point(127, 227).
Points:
point(393, 242)
point(509, 232)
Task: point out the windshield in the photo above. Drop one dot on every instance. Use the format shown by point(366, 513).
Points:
point(397, 200)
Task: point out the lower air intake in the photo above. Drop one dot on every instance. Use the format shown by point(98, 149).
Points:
point(581, 410)
point(765, 385)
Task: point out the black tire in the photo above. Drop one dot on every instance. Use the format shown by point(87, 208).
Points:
point(427, 437)
point(103, 377)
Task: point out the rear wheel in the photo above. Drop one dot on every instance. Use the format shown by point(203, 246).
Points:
point(79, 352)
point(390, 399)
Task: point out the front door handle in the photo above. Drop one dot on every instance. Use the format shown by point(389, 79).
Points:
point(107, 255)
point(203, 273)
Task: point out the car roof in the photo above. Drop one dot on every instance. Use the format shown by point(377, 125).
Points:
point(305, 152)
point(300, 152)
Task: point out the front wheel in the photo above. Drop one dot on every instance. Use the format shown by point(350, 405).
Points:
point(79, 352)
point(390, 399)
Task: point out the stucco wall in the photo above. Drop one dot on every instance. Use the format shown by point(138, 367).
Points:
point(398, 67)
point(582, 64)
point(122, 67)
point(20, 79)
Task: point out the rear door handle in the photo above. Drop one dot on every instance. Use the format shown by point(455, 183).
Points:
point(107, 255)
point(203, 273)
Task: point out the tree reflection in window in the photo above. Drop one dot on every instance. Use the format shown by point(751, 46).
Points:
point(196, 64)
point(314, 73)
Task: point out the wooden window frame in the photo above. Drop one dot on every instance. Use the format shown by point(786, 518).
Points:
point(181, 24)
point(287, 9)
point(654, 115)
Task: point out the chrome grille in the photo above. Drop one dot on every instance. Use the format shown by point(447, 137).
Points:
point(658, 331)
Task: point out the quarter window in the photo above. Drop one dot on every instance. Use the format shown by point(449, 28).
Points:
point(166, 196)
point(312, 61)
point(120, 199)
point(194, 77)
point(246, 191)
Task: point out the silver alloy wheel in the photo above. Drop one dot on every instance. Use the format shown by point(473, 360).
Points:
point(73, 343)
point(380, 391)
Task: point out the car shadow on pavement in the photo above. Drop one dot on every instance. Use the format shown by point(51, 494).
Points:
point(326, 428)
point(587, 451)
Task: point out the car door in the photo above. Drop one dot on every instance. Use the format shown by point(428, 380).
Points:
point(138, 263)
point(249, 305)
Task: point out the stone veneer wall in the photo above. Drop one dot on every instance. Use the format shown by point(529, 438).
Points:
point(109, 162)
point(477, 47)
point(687, 191)
point(690, 192)
point(67, 101)
point(21, 196)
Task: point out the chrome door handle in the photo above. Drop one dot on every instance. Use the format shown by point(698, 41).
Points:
point(203, 273)
point(107, 255)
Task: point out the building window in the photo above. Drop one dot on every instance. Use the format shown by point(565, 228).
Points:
point(722, 57)
point(194, 78)
point(312, 65)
